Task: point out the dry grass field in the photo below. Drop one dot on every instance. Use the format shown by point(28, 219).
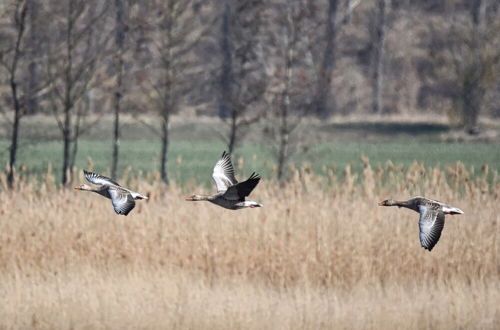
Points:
point(320, 254)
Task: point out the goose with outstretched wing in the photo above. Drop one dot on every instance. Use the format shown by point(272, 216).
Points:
point(231, 194)
point(431, 221)
point(122, 199)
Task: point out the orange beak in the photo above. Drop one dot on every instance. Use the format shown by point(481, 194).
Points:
point(78, 188)
point(381, 203)
point(189, 198)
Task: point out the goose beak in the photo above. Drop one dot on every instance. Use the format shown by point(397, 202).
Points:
point(381, 203)
point(455, 211)
point(78, 188)
point(256, 205)
point(189, 198)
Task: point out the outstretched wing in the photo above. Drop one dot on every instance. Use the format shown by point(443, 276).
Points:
point(99, 179)
point(122, 200)
point(223, 174)
point(431, 225)
point(243, 189)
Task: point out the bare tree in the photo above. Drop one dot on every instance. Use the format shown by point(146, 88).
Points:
point(292, 77)
point(10, 58)
point(382, 7)
point(285, 127)
point(465, 65)
point(242, 82)
point(34, 80)
point(327, 64)
point(174, 29)
point(76, 42)
point(475, 69)
point(121, 7)
point(227, 65)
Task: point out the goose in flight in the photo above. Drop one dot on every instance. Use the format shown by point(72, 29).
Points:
point(123, 199)
point(431, 221)
point(230, 193)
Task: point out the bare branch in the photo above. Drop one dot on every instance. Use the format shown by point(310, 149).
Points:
point(249, 121)
point(59, 121)
point(6, 66)
point(146, 124)
point(158, 101)
point(88, 126)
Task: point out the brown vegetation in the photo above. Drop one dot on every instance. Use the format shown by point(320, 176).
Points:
point(316, 256)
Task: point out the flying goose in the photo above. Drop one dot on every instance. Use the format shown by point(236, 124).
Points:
point(431, 221)
point(123, 199)
point(230, 194)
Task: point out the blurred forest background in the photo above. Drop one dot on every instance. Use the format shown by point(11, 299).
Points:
point(281, 73)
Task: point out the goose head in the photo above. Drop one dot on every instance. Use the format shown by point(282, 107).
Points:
point(83, 187)
point(387, 202)
point(195, 198)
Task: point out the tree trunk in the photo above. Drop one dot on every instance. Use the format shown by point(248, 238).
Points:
point(119, 39)
point(32, 104)
point(226, 108)
point(472, 96)
point(478, 12)
point(66, 129)
point(226, 79)
point(74, 144)
point(327, 65)
point(164, 149)
point(168, 99)
point(20, 21)
point(283, 136)
point(116, 136)
point(284, 131)
point(473, 89)
point(15, 135)
point(66, 144)
point(232, 134)
point(66, 153)
point(378, 58)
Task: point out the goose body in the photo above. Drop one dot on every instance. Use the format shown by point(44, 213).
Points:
point(231, 194)
point(122, 199)
point(431, 221)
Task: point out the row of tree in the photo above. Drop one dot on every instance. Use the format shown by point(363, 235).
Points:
point(243, 60)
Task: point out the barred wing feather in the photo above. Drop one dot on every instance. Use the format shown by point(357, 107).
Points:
point(431, 225)
point(99, 179)
point(122, 200)
point(223, 173)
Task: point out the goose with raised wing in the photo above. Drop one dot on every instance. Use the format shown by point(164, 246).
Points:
point(431, 222)
point(122, 199)
point(231, 194)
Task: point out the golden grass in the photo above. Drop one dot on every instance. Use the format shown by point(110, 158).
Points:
point(320, 255)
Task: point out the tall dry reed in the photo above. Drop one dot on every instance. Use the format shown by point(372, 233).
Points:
point(320, 254)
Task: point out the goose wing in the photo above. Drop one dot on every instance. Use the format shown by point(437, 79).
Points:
point(431, 225)
point(241, 190)
point(447, 209)
point(223, 173)
point(122, 200)
point(99, 179)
